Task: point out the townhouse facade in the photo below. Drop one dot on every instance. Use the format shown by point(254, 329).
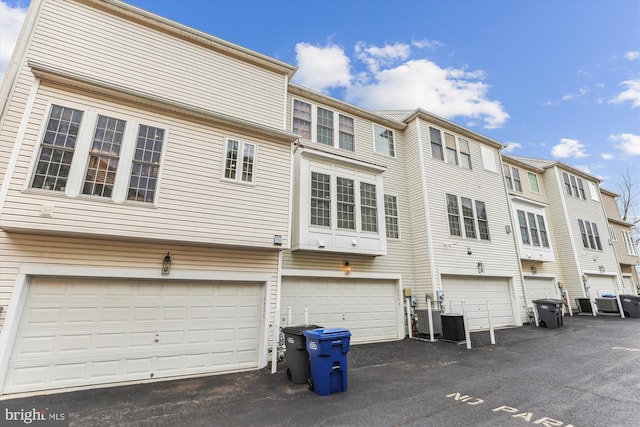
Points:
point(574, 251)
point(170, 199)
point(621, 238)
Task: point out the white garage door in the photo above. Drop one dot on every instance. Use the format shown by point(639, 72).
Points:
point(77, 332)
point(370, 309)
point(600, 285)
point(476, 291)
point(540, 287)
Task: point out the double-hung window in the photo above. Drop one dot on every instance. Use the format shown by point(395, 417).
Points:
point(325, 126)
point(302, 119)
point(322, 125)
point(346, 133)
point(534, 186)
point(628, 243)
point(452, 152)
point(56, 151)
point(104, 156)
point(146, 162)
point(465, 154)
point(346, 203)
point(383, 141)
point(239, 161)
point(436, 144)
point(391, 216)
point(512, 178)
point(474, 218)
point(320, 199)
point(100, 173)
point(368, 207)
point(590, 235)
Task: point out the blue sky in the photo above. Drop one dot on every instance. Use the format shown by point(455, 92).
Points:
point(551, 79)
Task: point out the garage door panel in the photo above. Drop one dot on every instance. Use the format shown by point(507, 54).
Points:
point(368, 308)
point(144, 330)
point(476, 291)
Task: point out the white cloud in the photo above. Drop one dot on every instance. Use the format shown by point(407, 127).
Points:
point(632, 55)
point(392, 79)
point(627, 142)
point(11, 18)
point(568, 148)
point(583, 91)
point(511, 146)
point(607, 156)
point(422, 83)
point(632, 93)
point(322, 68)
point(429, 44)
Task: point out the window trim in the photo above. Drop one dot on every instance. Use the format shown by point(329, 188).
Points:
point(84, 141)
point(392, 144)
point(393, 217)
point(573, 186)
point(457, 214)
point(532, 176)
point(450, 149)
point(242, 144)
point(314, 124)
point(629, 246)
point(590, 235)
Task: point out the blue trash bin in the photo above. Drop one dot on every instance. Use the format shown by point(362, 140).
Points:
point(328, 350)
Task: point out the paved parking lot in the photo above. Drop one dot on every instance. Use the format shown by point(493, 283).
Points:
point(586, 373)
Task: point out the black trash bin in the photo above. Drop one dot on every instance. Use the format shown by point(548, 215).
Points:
point(630, 305)
point(549, 312)
point(296, 355)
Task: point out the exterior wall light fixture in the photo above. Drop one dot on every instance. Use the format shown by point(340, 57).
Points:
point(166, 264)
point(534, 269)
point(346, 268)
point(601, 268)
point(480, 267)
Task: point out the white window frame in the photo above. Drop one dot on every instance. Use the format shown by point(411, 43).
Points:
point(510, 173)
point(590, 235)
point(84, 140)
point(573, 186)
point(450, 146)
point(240, 166)
point(390, 150)
point(627, 238)
point(392, 216)
point(336, 129)
point(533, 177)
point(612, 233)
point(466, 232)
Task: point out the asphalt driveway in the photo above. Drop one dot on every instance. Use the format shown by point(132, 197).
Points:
point(586, 373)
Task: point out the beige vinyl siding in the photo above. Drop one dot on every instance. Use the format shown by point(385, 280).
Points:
point(422, 265)
point(478, 184)
point(20, 249)
point(99, 45)
point(399, 251)
point(194, 204)
point(566, 250)
point(524, 178)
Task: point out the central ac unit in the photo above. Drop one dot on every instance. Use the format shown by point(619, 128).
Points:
point(423, 321)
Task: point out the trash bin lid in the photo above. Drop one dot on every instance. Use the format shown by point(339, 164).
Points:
point(327, 333)
point(547, 301)
point(608, 296)
point(298, 329)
